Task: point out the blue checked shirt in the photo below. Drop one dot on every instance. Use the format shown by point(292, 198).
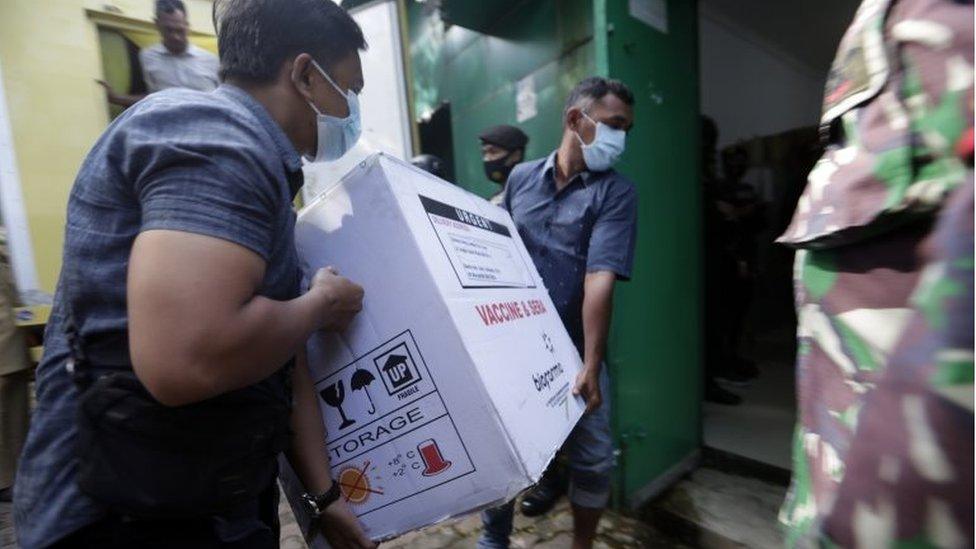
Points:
point(214, 164)
point(590, 225)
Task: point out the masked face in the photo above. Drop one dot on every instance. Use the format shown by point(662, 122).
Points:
point(336, 135)
point(497, 170)
point(499, 161)
point(606, 148)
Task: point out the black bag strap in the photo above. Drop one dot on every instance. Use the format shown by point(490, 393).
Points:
point(89, 357)
point(78, 365)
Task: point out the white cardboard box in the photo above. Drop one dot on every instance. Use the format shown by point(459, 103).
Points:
point(452, 390)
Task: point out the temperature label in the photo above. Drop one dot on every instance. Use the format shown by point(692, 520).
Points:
point(389, 433)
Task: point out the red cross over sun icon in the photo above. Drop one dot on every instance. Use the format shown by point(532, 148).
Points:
point(355, 484)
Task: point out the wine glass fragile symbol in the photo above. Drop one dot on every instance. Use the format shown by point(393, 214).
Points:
point(333, 395)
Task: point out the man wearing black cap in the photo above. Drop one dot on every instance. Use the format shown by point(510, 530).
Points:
point(502, 147)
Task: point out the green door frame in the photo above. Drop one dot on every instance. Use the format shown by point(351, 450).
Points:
point(655, 345)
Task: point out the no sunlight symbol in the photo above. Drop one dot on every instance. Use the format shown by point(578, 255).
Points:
point(361, 380)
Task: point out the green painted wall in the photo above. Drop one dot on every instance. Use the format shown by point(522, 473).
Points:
point(477, 73)
point(655, 345)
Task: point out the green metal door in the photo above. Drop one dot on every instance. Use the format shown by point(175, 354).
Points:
point(656, 340)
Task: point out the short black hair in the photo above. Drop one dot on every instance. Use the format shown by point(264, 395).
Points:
point(593, 88)
point(254, 37)
point(169, 6)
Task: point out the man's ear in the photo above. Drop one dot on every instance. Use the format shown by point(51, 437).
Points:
point(572, 118)
point(301, 73)
point(516, 157)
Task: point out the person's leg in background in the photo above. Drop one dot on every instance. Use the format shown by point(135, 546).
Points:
point(498, 526)
point(14, 420)
point(742, 298)
point(591, 461)
point(717, 359)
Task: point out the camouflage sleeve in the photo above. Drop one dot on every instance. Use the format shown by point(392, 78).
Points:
point(898, 100)
point(909, 471)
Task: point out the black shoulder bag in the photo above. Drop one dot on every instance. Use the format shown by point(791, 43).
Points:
point(140, 458)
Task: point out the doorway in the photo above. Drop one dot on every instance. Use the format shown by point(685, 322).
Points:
point(436, 137)
point(762, 70)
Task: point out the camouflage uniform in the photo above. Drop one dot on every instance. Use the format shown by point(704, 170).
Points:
point(898, 100)
point(909, 471)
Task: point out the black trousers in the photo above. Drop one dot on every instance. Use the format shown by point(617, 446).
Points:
point(726, 300)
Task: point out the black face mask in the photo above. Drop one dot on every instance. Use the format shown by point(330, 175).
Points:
point(497, 171)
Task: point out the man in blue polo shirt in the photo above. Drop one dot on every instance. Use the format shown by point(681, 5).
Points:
point(179, 304)
point(578, 219)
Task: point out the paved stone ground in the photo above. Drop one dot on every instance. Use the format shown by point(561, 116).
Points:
point(549, 532)
point(552, 531)
point(555, 530)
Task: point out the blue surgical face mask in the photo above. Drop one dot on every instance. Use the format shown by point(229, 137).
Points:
point(336, 135)
point(605, 149)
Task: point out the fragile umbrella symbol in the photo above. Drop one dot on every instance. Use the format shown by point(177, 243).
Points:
point(361, 380)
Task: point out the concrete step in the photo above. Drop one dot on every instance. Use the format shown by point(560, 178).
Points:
point(716, 509)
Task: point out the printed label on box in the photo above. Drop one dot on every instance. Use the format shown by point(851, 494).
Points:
point(482, 252)
point(398, 440)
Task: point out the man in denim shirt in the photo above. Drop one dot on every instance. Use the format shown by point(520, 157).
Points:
point(578, 219)
point(179, 259)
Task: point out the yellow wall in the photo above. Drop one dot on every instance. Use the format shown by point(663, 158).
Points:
point(50, 60)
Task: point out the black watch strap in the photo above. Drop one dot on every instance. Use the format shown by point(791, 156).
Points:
point(317, 504)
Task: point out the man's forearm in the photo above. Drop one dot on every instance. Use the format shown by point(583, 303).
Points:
point(307, 455)
point(597, 310)
point(263, 336)
point(596, 326)
point(197, 329)
point(310, 460)
point(243, 349)
point(125, 100)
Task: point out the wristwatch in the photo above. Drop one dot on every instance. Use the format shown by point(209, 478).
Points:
point(316, 505)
